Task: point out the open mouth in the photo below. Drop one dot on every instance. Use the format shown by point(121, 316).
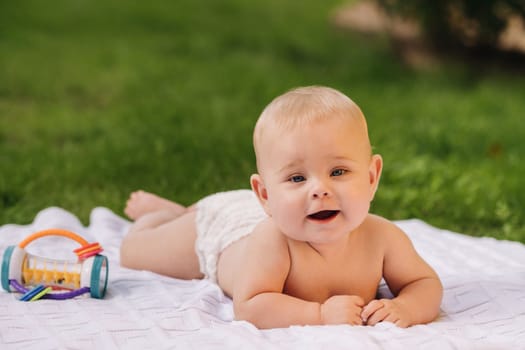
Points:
point(323, 215)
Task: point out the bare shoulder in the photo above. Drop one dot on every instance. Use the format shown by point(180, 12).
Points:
point(383, 231)
point(267, 235)
point(265, 263)
point(401, 262)
point(266, 247)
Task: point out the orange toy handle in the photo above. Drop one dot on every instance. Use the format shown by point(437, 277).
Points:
point(53, 232)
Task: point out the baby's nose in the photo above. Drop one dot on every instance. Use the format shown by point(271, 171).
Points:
point(320, 190)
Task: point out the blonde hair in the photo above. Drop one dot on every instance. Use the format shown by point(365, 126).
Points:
point(304, 106)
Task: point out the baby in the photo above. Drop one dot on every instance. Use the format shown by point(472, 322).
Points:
point(301, 247)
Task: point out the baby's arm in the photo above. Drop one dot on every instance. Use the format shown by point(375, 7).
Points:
point(416, 286)
point(259, 282)
point(258, 291)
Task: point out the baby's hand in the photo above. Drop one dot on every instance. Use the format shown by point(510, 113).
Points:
point(342, 309)
point(385, 310)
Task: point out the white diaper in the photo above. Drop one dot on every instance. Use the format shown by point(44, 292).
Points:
point(222, 219)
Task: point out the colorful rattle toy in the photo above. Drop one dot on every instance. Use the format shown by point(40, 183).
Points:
point(47, 277)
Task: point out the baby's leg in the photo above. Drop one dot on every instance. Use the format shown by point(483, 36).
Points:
point(151, 220)
point(163, 244)
point(141, 203)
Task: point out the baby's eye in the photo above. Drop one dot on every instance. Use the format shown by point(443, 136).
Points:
point(338, 172)
point(297, 178)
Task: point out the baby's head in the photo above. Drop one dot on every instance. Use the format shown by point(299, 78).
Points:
point(316, 172)
point(305, 106)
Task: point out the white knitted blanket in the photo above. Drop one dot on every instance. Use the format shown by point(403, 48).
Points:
point(483, 305)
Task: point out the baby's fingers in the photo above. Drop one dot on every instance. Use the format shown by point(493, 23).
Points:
point(396, 320)
point(371, 309)
point(378, 316)
point(402, 323)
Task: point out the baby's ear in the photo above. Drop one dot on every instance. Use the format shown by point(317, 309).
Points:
point(376, 166)
point(260, 191)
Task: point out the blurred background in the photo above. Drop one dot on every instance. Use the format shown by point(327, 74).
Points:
point(100, 98)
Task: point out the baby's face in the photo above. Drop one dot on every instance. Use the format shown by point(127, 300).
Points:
point(318, 179)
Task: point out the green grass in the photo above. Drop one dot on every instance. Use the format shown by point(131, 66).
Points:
point(99, 98)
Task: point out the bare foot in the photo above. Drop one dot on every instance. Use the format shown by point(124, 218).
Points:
point(141, 202)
